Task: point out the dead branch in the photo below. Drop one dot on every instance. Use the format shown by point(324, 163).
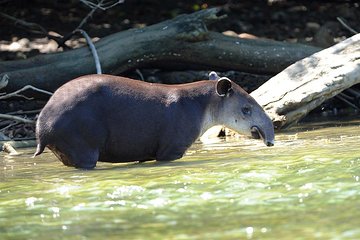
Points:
point(92, 49)
point(9, 149)
point(19, 144)
point(309, 82)
point(8, 126)
point(347, 100)
point(19, 119)
point(33, 28)
point(342, 22)
point(102, 4)
point(93, 7)
point(21, 112)
point(16, 93)
point(30, 26)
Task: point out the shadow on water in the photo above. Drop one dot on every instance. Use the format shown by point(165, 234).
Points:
point(102, 166)
point(158, 164)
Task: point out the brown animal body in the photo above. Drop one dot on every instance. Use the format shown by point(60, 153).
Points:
point(115, 119)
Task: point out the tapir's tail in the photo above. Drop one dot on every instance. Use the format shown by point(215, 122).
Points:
point(41, 143)
point(39, 149)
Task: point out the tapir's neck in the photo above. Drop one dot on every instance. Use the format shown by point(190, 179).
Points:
point(203, 94)
point(207, 123)
point(212, 112)
point(211, 116)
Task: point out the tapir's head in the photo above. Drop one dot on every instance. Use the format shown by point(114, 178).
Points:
point(240, 112)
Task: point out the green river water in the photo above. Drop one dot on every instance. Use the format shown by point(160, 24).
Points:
point(305, 187)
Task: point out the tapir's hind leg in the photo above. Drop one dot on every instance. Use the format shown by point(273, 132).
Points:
point(170, 153)
point(86, 158)
point(75, 155)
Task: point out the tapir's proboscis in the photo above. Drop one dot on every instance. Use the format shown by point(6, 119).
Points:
point(115, 119)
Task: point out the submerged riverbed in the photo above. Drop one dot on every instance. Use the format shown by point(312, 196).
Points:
point(307, 186)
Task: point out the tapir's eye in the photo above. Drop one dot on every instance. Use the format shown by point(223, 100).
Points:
point(246, 111)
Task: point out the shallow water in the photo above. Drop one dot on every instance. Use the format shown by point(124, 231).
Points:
point(307, 186)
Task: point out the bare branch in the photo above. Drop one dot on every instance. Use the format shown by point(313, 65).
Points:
point(8, 148)
point(21, 112)
point(34, 27)
point(8, 126)
point(103, 4)
point(343, 98)
point(92, 49)
point(16, 93)
point(140, 74)
point(342, 21)
point(93, 7)
point(109, 5)
point(354, 92)
point(19, 119)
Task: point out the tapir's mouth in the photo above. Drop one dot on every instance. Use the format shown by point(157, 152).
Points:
point(257, 133)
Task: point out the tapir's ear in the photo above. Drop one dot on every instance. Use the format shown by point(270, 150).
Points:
point(213, 76)
point(223, 86)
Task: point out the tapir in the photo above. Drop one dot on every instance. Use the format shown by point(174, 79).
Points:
point(116, 119)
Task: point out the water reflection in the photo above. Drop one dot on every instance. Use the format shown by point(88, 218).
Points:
point(306, 186)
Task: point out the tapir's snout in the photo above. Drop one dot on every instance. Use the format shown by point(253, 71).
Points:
point(266, 134)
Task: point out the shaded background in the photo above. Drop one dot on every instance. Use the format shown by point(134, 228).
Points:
point(311, 22)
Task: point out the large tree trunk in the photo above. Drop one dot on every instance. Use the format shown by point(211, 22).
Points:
point(293, 93)
point(182, 42)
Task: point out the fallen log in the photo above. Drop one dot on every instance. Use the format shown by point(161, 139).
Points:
point(181, 43)
point(11, 146)
point(293, 93)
